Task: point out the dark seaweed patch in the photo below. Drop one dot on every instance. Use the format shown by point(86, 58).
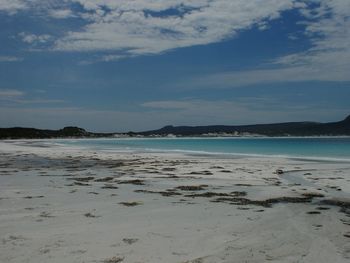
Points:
point(192, 187)
point(134, 182)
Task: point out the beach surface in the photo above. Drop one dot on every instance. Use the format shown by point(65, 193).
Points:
point(70, 204)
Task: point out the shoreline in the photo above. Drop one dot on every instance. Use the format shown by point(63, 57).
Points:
point(194, 153)
point(70, 204)
point(182, 137)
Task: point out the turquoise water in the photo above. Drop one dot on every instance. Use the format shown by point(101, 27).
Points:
point(319, 148)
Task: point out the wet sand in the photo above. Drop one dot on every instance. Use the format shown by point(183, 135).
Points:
point(68, 204)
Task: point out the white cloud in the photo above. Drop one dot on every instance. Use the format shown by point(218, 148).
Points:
point(329, 32)
point(10, 59)
point(328, 29)
point(235, 79)
point(12, 6)
point(37, 101)
point(135, 27)
point(10, 93)
point(61, 13)
point(108, 58)
point(19, 97)
point(103, 58)
point(34, 39)
point(129, 29)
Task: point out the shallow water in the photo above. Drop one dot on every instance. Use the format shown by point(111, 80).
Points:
point(317, 148)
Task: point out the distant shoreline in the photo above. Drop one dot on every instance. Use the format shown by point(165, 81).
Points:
point(145, 145)
point(180, 137)
point(286, 129)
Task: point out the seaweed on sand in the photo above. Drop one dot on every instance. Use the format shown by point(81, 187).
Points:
point(163, 193)
point(192, 187)
point(129, 204)
point(264, 203)
point(134, 182)
point(214, 194)
point(113, 260)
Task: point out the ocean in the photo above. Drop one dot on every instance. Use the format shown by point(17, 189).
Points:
point(322, 148)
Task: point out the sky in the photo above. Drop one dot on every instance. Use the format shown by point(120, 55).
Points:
point(121, 65)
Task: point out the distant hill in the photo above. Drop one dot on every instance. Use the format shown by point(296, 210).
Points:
point(275, 129)
point(31, 133)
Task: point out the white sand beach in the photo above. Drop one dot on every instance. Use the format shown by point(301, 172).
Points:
point(68, 204)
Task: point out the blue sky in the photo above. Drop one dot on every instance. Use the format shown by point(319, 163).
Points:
point(136, 65)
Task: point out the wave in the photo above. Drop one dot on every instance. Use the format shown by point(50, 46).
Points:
point(227, 155)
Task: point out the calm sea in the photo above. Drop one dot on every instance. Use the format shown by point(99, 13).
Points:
point(314, 148)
